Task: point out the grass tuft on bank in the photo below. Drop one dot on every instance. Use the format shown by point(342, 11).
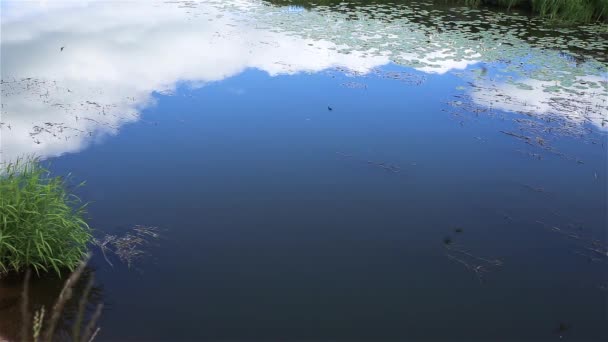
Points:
point(41, 224)
point(559, 11)
point(584, 11)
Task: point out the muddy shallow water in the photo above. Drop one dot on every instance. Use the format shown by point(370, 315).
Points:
point(345, 171)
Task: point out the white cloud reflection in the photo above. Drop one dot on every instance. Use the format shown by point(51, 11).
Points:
point(117, 54)
point(543, 98)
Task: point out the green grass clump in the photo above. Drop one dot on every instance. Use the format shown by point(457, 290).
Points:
point(41, 224)
point(557, 11)
point(560, 11)
point(571, 10)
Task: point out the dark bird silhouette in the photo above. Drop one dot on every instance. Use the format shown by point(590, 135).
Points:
point(61, 49)
point(329, 108)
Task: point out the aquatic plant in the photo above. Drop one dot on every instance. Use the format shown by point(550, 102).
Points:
point(476, 264)
point(41, 223)
point(129, 247)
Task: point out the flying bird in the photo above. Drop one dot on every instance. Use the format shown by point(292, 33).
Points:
point(329, 108)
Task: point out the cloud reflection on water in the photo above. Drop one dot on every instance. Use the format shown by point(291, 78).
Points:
point(116, 55)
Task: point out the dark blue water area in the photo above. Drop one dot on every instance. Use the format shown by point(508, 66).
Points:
point(280, 221)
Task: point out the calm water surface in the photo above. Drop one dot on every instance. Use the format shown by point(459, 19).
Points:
point(354, 172)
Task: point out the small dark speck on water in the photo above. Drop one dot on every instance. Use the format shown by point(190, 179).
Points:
point(458, 230)
point(61, 49)
point(447, 240)
point(562, 328)
point(329, 108)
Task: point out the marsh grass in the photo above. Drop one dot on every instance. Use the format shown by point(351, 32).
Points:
point(571, 10)
point(559, 11)
point(41, 224)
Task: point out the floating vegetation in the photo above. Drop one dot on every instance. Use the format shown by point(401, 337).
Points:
point(407, 78)
point(382, 165)
point(536, 156)
point(354, 85)
point(533, 188)
point(568, 113)
point(129, 247)
point(401, 76)
point(553, 74)
point(476, 264)
point(58, 115)
point(537, 129)
point(400, 31)
point(590, 247)
point(556, 110)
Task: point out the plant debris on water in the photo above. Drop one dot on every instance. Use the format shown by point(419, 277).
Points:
point(129, 247)
point(474, 263)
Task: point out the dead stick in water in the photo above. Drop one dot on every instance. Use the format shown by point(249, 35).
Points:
point(25, 311)
point(64, 296)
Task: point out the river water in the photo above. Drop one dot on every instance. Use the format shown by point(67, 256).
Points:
point(365, 171)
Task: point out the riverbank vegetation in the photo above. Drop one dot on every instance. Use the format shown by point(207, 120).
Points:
point(564, 11)
point(41, 225)
point(43, 231)
point(557, 11)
